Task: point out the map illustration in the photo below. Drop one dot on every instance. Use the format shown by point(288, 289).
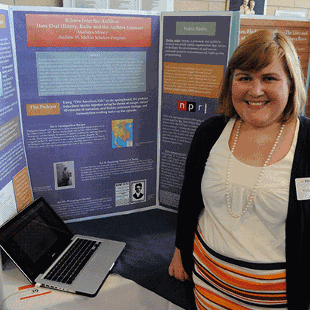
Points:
point(122, 133)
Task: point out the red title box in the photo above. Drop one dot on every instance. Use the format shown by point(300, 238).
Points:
point(52, 30)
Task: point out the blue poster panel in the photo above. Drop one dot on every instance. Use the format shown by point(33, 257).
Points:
point(15, 191)
point(89, 102)
point(195, 54)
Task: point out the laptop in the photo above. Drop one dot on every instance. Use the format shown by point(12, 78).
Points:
point(42, 246)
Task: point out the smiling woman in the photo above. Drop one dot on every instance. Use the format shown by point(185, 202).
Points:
point(265, 89)
point(242, 235)
point(260, 98)
point(257, 52)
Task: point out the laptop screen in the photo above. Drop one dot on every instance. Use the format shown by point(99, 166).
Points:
point(42, 238)
point(34, 238)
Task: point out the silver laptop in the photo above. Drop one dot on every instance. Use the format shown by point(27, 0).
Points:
point(42, 246)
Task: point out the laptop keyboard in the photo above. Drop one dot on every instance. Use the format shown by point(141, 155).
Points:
point(76, 257)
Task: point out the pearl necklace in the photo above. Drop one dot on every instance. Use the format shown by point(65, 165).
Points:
point(252, 195)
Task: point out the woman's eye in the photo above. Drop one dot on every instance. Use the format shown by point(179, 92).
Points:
point(241, 77)
point(269, 78)
point(244, 78)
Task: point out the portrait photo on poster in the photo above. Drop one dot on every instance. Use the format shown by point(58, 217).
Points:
point(248, 7)
point(64, 175)
point(138, 191)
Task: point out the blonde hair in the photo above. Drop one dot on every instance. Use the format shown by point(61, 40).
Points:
point(255, 53)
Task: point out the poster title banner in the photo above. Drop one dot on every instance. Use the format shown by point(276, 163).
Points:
point(87, 31)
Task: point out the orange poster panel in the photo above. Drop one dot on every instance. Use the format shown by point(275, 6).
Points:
point(299, 33)
point(2, 21)
point(39, 109)
point(192, 79)
point(22, 189)
point(44, 30)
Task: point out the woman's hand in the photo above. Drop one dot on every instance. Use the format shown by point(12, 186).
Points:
point(176, 267)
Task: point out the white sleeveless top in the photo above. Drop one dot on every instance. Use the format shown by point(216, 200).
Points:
point(259, 234)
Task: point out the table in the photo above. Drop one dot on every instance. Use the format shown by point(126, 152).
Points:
point(117, 293)
point(150, 245)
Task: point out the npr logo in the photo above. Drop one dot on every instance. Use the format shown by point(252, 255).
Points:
point(189, 106)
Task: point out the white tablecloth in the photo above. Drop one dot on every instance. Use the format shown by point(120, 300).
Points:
point(117, 293)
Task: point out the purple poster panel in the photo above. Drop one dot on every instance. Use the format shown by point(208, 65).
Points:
point(89, 101)
point(15, 191)
point(195, 55)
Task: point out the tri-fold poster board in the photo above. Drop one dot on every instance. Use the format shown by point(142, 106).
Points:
point(98, 108)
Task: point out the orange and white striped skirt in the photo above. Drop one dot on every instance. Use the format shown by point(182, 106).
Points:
point(225, 283)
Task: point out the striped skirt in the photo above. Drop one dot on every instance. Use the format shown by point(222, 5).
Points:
point(224, 283)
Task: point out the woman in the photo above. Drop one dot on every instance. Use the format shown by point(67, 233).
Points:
point(238, 208)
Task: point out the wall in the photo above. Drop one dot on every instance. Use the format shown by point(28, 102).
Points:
point(288, 5)
point(32, 2)
point(188, 5)
point(194, 5)
point(220, 5)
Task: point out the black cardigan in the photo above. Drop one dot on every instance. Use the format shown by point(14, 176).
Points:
point(298, 217)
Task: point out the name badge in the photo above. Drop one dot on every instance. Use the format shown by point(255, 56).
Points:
point(303, 188)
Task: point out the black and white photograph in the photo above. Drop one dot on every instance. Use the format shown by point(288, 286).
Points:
point(64, 175)
point(138, 189)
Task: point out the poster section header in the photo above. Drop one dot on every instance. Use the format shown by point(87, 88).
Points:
point(55, 30)
point(196, 28)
